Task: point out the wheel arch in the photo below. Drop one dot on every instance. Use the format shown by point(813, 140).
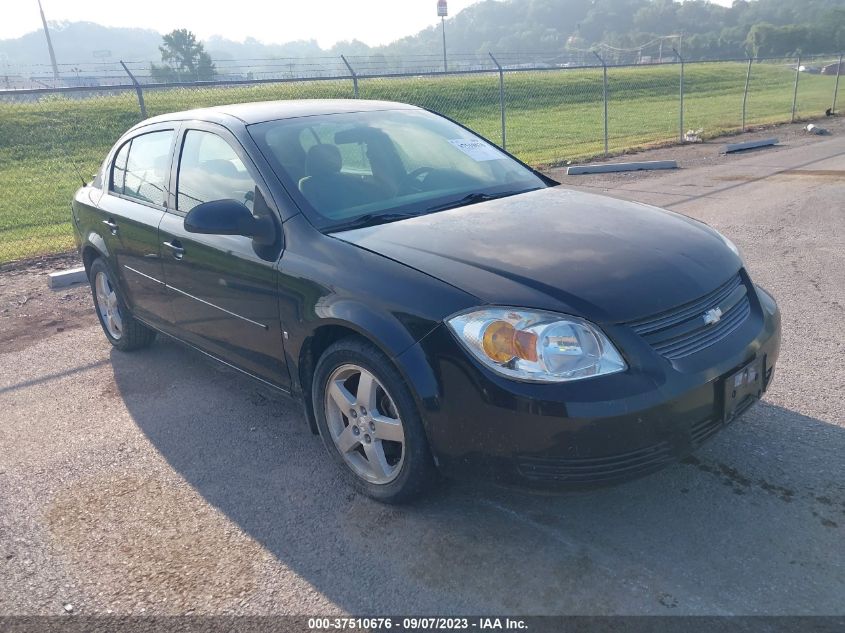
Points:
point(94, 247)
point(89, 254)
point(328, 333)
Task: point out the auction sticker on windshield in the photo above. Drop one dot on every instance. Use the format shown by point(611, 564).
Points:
point(477, 149)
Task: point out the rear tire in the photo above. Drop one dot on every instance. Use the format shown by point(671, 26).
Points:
point(370, 424)
point(121, 329)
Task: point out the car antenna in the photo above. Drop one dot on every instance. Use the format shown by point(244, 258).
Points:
point(79, 173)
point(76, 168)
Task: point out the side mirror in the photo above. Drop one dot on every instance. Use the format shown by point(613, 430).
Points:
point(224, 217)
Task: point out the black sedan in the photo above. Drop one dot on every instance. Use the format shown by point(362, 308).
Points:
point(435, 304)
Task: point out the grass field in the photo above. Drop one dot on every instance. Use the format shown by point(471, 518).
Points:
point(552, 116)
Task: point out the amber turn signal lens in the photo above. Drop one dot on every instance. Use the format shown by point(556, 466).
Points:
point(498, 341)
point(502, 342)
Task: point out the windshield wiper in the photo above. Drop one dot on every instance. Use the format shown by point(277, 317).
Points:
point(369, 219)
point(473, 198)
point(373, 219)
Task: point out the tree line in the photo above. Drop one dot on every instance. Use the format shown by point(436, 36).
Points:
point(755, 28)
point(704, 30)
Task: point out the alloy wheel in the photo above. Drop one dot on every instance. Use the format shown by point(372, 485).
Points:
point(364, 424)
point(108, 306)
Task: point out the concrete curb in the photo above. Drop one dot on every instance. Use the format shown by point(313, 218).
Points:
point(68, 277)
point(738, 147)
point(613, 167)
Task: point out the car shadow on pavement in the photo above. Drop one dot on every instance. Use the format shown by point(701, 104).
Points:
point(753, 523)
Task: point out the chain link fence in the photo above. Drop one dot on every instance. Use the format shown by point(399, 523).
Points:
point(545, 113)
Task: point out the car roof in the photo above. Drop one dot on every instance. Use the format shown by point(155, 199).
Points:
point(258, 112)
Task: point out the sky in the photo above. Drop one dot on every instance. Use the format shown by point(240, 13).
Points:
point(328, 21)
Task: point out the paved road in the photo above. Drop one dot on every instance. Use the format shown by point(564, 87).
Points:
point(155, 482)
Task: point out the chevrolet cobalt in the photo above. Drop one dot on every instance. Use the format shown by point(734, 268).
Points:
point(435, 304)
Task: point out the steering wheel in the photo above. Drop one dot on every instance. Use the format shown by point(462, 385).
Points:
point(414, 181)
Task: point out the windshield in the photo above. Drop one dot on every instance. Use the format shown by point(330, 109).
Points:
point(361, 168)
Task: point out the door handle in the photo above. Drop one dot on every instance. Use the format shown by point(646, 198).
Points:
point(112, 226)
point(175, 248)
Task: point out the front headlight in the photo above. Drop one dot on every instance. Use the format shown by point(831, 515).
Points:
point(536, 346)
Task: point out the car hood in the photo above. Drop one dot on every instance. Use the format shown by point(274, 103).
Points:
point(562, 250)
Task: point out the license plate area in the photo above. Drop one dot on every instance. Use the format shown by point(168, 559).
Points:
point(742, 389)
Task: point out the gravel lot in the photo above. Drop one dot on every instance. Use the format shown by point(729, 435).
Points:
point(157, 483)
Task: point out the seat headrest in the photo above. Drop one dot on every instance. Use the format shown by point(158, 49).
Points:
point(323, 160)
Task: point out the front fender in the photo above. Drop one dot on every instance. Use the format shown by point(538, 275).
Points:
point(392, 332)
point(384, 331)
point(329, 288)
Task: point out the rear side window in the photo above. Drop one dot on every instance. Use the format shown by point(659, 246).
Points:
point(119, 171)
point(209, 169)
point(141, 166)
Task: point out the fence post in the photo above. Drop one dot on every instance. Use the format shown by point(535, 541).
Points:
point(501, 98)
point(604, 98)
point(795, 91)
point(745, 94)
point(681, 93)
point(138, 91)
point(354, 76)
point(836, 87)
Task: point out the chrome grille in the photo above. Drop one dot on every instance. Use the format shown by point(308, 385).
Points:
point(683, 331)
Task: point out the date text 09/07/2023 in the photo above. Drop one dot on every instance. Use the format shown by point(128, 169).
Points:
point(417, 624)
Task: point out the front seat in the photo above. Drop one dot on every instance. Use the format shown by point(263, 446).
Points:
point(288, 152)
point(328, 190)
point(322, 186)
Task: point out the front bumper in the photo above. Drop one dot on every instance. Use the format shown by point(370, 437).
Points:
point(590, 432)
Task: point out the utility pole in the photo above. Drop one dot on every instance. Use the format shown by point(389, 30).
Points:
point(443, 11)
point(445, 63)
point(49, 43)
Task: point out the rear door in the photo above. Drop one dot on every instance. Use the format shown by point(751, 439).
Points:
point(222, 288)
point(132, 208)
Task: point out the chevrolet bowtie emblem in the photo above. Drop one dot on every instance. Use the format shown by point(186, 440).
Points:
point(712, 316)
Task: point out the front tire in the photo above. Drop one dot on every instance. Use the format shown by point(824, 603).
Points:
point(120, 327)
point(370, 424)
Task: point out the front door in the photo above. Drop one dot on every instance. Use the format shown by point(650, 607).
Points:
point(222, 288)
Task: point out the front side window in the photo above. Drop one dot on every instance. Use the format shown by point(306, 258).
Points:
point(361, 168)
point(147, 164)
point(209, 169)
